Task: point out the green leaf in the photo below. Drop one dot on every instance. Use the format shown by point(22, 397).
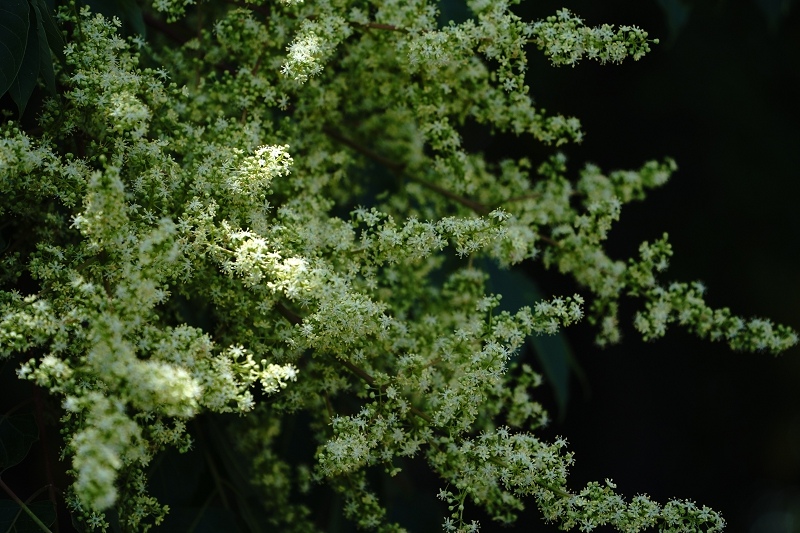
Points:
point(552, 351)
point(774, 11)
point(128, 11)
point(14, 520)
point(133, 15)
point(22, 86)
point(17, 433)
point(677, 13)
point(554, 355)
point(54, 38)
point(45, 59)
point(14, 26)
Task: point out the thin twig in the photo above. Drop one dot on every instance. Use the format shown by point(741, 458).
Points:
point(375, 156)
point(215, 475)
point(24, 507)
point(478, 207)
point(378, 26)
point(400, 169)
point(288, 314)
point(550, 241)
point(365, 376)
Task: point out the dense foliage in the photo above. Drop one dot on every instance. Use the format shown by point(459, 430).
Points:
point(266, 208)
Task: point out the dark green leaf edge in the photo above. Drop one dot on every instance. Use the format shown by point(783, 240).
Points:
point(14, 27)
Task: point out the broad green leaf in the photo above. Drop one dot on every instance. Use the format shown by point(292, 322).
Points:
point(554, 355)
point(45, 59)
point(17, 433)
point(77, 525)
point(14, 520)
point(14, 26)
point(128, 11)
point(677, 13)
point(552, 351)
point(454, 10)
point(22, 86)
point(133, 15)
point(774, 11)
point(54, 38)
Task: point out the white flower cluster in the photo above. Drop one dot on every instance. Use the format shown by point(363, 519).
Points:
point(565, 40)
point(108, 440)
point(284, 208)
point(315, 41)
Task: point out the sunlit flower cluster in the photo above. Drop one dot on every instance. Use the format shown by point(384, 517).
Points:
point(281, 208)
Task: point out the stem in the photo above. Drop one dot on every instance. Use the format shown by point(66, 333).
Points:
point(329, 406)
point(423, 415)
point(365, 376)
point(550, 241)
point(24, 507)
point(399, 168)
point(379, 26)
point(552, 489)
point(288, 314)
point(478, 207)
point(375, 156)
point(215, 475)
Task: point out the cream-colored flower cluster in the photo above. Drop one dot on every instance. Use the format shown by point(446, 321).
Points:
point(280, 206)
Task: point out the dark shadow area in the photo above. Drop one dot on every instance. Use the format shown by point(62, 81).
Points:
point(680, 417)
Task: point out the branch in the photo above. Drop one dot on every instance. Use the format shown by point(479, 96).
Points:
point(24, 507)
point(375, 156)
point(365, 376)
point(378, 26)
point(555, 490)
point(288, 314)
point(399, 168)
point(478, 207)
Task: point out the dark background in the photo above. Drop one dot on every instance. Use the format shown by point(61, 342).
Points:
point(681, 417)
